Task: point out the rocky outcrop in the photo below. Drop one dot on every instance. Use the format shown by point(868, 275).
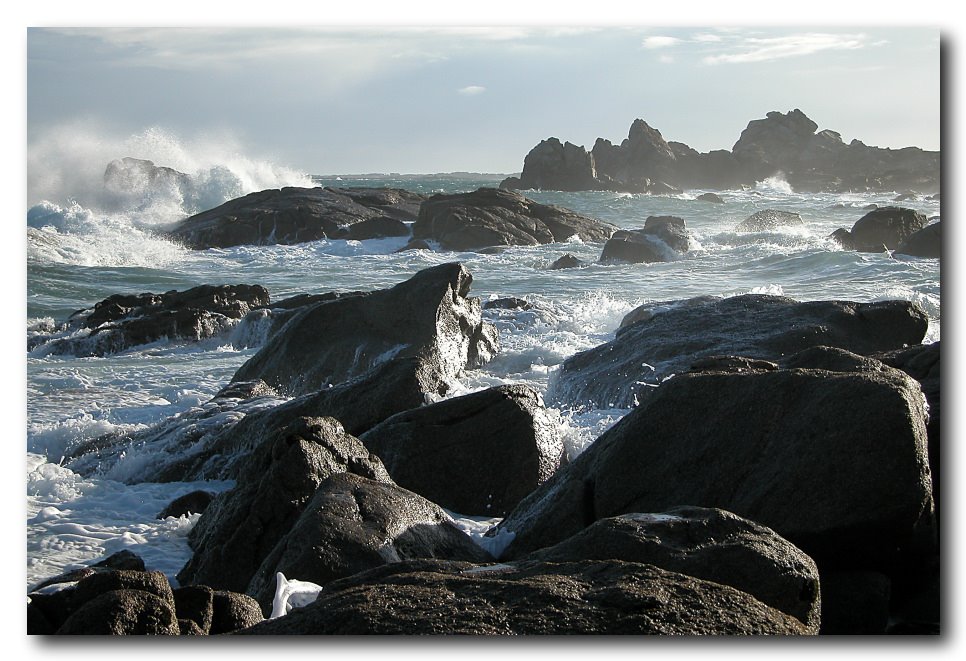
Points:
point(883, 226)
point(668, 337)
point(496, 217)
point(926, 242)
point(769, 220)
point(478, 454)
point(296, 215)
point(353, 524)
point(662, 239)
point(787, 144)
point(122, 321)
point(528, 598)
point(709, 544)
point(834, 462)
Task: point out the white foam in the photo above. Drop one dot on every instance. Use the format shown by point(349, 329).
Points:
point(292, 593)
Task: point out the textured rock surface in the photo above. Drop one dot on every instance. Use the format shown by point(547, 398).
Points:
point(927, 242)
point(768, 220)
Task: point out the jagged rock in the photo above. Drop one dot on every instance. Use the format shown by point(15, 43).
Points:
point(476, 454)
point(275, 482)
point(926, 242)
point(833, 462)
point(294, 215)
point(123, 321)
point(710, 197)
point(495, 217)
point(769, 220)
point(557, 166)
point(709, 544)
point(589, 597)
point(567, 261)
point(669, 337)
point(193, 502)
point(353, 524)
point(508, 303)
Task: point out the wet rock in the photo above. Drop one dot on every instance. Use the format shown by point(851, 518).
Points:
point(769, 220)
point(353, 524)
point(193, 502)
point(710, 197)
point(669, 337)
point(123, 613)
point(508, 303)
point(588, 597)
point(926, 242)
point(477, 454)
point(662, 239)
point(567, 261)
point(495, 217)
point(415, 244)
point(555, 166)
point(887, 226)
point(377, 228)
point(121, 560)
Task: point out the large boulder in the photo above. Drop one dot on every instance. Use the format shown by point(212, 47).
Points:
point(476, 454)
point(589, 597)
point(427, 316)
point(123, 321)
point(555, 166)
point(926, 242)
point(242, 525)
point(662, 239)
point(888, 226)
point(709, 544)
point(294, 215)
point(353, 524)
point(834, 462)
point(668, 337)
point(769, 220)
point(495, 217)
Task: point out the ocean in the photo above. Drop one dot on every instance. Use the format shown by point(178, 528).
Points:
point(85, 244)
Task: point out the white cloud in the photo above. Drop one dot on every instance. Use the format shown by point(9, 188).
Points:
point(753, 49)
point(471, 90)
point(706, 38)
point(666, 59)
point(660, 42)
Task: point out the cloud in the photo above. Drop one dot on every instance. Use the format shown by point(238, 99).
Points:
point(471, 90)
point(666, 59)
point(706, 38)
point(754, 49)
point(660, 42)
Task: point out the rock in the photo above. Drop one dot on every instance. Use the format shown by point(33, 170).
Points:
point(567, 261)
point(377, 228)
point(709, 544)
point(662, 239)
point(193, 502)
point(508, 303)
point(477, 454)
point(908, 195)
point(294, 215)
point(855, 602)
point(833, 462)
point(232, 611)
point(731, 364)
point(589, 597)
point(415, 244)
point(769, 220)
point(275, 482)
point(123, 321)
point(888, 226)
point(926, 242)
point(194, 603)
point(123, 613)
point(353, 524)
point(669, 337)
point(710, 197)
point(427, 316)
point(494, 217)
point(556, 166)
point(121, 560)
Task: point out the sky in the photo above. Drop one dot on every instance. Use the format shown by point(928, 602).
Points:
point(416, 98)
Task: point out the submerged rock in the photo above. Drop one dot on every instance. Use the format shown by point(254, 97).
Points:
point(496, 217)
point(528, 598)
point(567, 261)
point(669, 337)
point(662, 239)
point(296, 215)
point(476, 454)
point(710, 197)
point(769, 220)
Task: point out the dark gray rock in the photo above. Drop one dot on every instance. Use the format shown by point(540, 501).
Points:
point(428, 316)
point(123, 321)
point(710, 197)
point(769, 220)
point(194, 502)
point(508, 303)
point(833, 462)
point(589, 597)
point(567, 261)
point(476, 454)
point(668, 338)
point(634, 247)
point(231, 611)
point(293, 215)
point(709, 544)
point(731, 364)
point(353, 524)
point(855, 603)
point(275, 482)
point(377, 228)
point(121, 560)
point(123, 613)
point(495, 217)
point(926, 242)
point(555, 166)
point(415, 244)
point(888, 226)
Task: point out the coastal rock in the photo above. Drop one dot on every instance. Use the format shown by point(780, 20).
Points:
point(353, 524)
point(120, 560)
point(215, 612)
point(130, 181)
point(428, 317)
point(709, 544)
point(769, 220)
point(558, 167)
point(415, 244)
point(833, 462)
point(567, 261)
point(662, 239)
point(926, 242)
point(377, 228)
point(123, 321)
point(194, 502)
point(508, 303)
point(123, 613)
point(887, 226)
point(671, 336)
point(529, 598)
point(295, 215)
point(276, 481)
point(495, 217)
point(477, 454)
point(710, 197)
point(855, 603)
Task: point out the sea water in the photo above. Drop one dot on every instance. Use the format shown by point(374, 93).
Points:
point(84, 244)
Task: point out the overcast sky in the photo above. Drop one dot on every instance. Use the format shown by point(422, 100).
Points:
point(409, 99)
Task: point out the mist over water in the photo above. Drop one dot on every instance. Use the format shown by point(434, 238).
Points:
point(87, 241)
